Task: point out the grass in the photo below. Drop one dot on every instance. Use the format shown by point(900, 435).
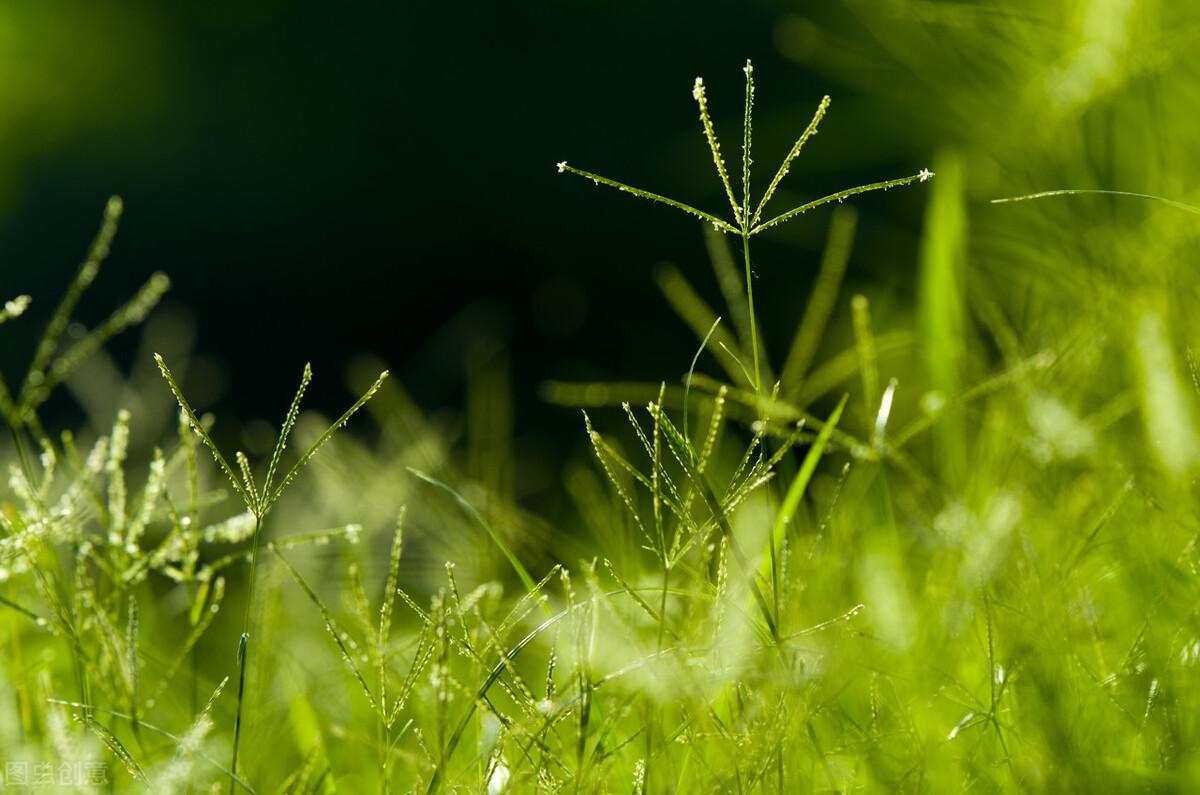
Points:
point(942, 557)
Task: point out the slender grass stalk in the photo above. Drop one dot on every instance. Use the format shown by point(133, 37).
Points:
point(1046, 194)
point(259, 501)
point(243, 649)
point(746, 224)
point(757, 384)
point(513, 560)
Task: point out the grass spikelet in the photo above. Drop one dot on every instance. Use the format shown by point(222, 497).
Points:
point(88, 270)
point(924, 175)
point(387, 606)
point(117, 748)
point(596, 179)
point(710, 135)
point(322, 439)
point(198, 428)
point(747, 128)
point(792, 154)
point(14, 308)
point(285, 431)
point(341, 639)
point(115, 468)
point(131, 314)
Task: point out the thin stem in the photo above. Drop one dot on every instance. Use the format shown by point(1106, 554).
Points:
point(750, 303)
point(244, 649)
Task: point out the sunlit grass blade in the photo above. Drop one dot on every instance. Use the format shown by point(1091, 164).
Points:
point(117, 748)
point(88, 270)
point(248, 480)
point(131, 314)
point(821, 301)
point(786, 165)
point(701, 96)
point(12, 308)
point(941, 304)
point(204, 612)
point(719, 514)
point(321, 440)
point(198, 428)
point(922, 176)
point(334, 629)
point(687, 384)
point(604, 454)
point(285, 431)
point(131, 649)
point(1023, 369)
point(729, 279)
point(156, 730)
point(837, 369)
point(795, 492)
point(654, 197)
point(747, 135)
point(868, 354)
point(1168, 412)
point(1178, 205)
point(513, 560)
point(393, 578)
point(699, 317)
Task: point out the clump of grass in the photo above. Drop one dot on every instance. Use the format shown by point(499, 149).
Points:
point(259, 499)
point(898, 566)
point(747, 216)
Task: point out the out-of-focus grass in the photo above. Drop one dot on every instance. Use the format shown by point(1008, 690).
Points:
point(977, 571)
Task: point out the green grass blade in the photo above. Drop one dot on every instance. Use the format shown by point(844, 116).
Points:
point(285, 431)
point(118, 749)
point(198, 427)
point(697, 314)
point(868, 354)
point(729, 279)
point(942, 310)
point(701, 96)
point(97, 253)
point(747, 136)
point(518, 567)
point(687, 385)
point(248, 479)
point(786, 165)
point(334, 629)
point(922, 176)
point(131, 314)
point(796, 490)
point(159, 731)
point(321, 440)
point(393, 578)
point(1178, 205)
point(821, 301)
point(654, 197)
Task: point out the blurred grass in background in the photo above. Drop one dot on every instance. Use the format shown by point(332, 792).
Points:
point(1020, 537)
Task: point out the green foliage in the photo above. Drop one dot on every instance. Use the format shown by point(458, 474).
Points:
point(940, 557)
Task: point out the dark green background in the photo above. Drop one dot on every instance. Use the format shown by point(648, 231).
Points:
point(323, 179)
